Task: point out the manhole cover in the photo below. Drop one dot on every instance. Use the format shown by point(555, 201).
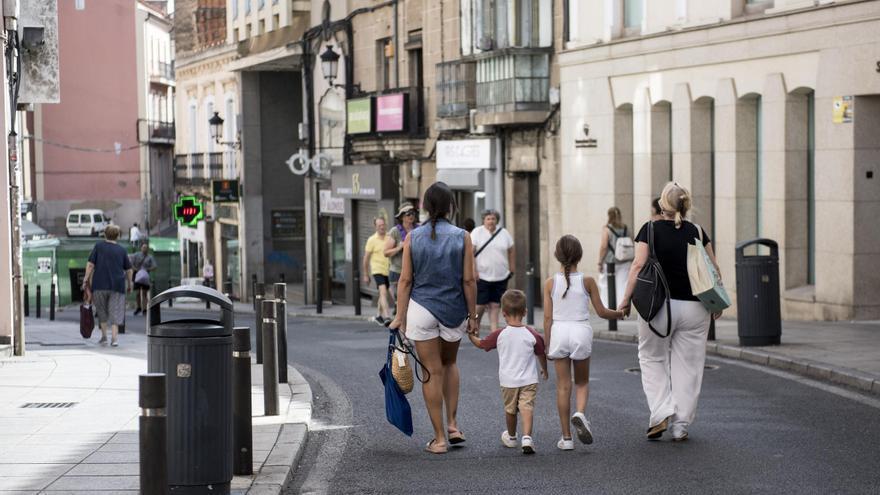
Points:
point(48, 405)
point(708, 367)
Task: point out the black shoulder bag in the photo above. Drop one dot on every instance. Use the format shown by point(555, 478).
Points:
point(497, 231)
point(651, 291)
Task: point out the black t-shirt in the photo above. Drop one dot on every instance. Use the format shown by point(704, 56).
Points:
point(670, 245)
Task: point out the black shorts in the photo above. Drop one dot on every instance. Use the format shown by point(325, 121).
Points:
point(138, 286)
point(490, 292)
point(381, 279)
point(394, 277)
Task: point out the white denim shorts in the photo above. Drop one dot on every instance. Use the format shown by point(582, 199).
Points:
point(570, 339)
point(422, 325)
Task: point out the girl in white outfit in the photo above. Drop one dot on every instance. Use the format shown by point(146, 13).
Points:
point(569, 336)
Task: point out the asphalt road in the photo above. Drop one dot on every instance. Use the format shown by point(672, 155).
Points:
point(757, 431)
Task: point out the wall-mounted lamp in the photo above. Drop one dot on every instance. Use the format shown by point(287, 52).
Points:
point(216, 123)
point(330, 64)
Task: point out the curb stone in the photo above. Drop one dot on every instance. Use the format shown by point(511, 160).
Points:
point(278, 469)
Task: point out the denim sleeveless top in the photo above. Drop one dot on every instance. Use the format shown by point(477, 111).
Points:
point(438, 272)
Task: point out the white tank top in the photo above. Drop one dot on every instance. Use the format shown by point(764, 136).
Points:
point(576, 304)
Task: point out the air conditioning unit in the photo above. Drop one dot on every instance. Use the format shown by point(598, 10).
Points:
point(473, 127)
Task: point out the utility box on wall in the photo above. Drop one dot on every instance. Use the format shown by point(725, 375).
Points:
point(38, 38)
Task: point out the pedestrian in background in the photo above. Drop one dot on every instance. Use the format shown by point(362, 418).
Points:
point(208, 274)
point(656, 212)
point(569, 336)
point(108, 277)
point(613, 230)
point(672, 367)
point(134, 236)
point(493, 259)
point(142, 264)
point(406, 221)
point(377, 265)
point(520, 350)
point(468, 224)
point(436, 304)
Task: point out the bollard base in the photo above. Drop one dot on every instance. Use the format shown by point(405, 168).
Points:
point(759, 341)
point(214, 489)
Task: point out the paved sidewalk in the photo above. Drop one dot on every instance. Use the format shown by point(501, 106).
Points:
point(842, 352)
point(92, 445)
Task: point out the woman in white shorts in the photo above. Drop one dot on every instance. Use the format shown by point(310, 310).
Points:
point(569, 336)
point(436, 305)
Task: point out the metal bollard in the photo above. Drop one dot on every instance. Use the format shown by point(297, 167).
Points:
point(27, 300)
point(171, 299)
point(281, 323)
point(39, 300)
point(281, 277)
point(357, 292)
point(711, 328)
point(254, 292)
point(258, 317)
point(530, 293)
point(52, 303)
point(153, 434)
point(305, 287)
point(612, 294)
point(242, 427)
point(270, 359)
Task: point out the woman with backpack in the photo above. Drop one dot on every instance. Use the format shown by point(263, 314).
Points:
point(672, 345)
point(616, 248)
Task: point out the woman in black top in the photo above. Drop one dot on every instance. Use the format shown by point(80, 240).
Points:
point(672, 368)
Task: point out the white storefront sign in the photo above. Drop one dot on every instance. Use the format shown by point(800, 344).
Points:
point(331, 204)
point(464, 154)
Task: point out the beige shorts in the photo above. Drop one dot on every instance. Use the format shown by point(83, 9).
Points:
point(422, 325)
point(519, 398)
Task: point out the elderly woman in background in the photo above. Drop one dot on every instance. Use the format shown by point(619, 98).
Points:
point(494, 258)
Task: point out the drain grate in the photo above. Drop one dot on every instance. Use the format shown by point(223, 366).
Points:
point(48, 405)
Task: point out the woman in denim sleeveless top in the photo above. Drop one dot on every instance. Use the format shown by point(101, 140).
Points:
point(436, 305)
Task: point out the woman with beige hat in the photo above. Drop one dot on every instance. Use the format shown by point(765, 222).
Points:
point(406, 221)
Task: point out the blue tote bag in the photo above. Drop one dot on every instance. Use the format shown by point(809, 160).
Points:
point(397, 409)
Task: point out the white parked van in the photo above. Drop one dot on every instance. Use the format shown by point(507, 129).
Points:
point(86, 222)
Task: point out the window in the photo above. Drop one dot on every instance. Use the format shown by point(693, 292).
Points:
point(261, 4)
point(209, 112)
point(84, 218)
point(247, 31)
point(384, 52)
point(97, 218)
point(276, 21)
point(73, 219)
point(235, 35)
point(235, 9)
point(247, 7)
point(492, 24)
point(262, 28)
point(193, 135)
point(80, 4)
point(633, 12)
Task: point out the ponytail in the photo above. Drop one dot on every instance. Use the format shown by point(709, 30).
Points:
point(567, 281)
point(433, 228)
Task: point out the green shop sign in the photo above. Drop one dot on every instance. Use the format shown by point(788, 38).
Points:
point(360, 115)
point(188, 211)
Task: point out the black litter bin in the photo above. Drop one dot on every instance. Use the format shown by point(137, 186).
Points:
point(196, 356)
point(757, 295)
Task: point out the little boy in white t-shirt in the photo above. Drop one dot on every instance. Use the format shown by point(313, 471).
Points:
point(520, 349)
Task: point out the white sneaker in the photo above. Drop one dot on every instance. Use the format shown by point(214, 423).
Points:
point(103, 340)
point(507, 440)
point(527, 446)
point(564, 444)
point(679, 432)
point(582, 426)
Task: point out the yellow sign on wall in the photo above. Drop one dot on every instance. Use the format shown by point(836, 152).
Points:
point(842, 109)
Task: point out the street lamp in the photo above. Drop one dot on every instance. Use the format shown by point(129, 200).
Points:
point(216, 123)
point(329, 64)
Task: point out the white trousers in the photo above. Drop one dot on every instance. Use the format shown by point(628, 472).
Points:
point(672, 368)
point(621, 275)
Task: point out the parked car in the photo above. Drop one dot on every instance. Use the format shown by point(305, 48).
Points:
point(86, 223)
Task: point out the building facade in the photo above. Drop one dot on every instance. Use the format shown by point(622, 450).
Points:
point(110, 145)
point(766, 110)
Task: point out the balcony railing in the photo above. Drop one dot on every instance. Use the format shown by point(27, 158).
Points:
point(513, 80)
point(155, 131)
point(162, 71)
point(198, 169)
point(215, 165)
point(198, 172)
point(456, 88)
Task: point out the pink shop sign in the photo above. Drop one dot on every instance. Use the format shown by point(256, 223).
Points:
point(389, 113)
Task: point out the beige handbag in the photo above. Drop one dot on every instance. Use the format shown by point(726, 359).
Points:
point(402, 371)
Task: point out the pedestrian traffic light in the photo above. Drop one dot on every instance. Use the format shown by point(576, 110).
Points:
point(188, 211)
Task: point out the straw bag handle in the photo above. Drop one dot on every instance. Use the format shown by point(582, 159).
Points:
point(405, 348)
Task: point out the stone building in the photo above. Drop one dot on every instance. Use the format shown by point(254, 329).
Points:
point(767, 110)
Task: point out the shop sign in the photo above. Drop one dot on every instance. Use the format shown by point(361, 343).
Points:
point(330, 204)
point(224, 191)
point(389, 113)
point(44, 265)
point(288, 224)
point(842, 109)
point(357, 182)
point(360, 115)
point(464, 153)
point(188, 211)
